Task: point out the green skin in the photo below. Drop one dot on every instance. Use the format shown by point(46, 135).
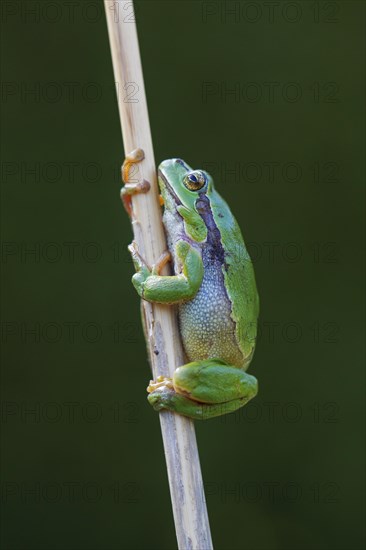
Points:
point(214, 287)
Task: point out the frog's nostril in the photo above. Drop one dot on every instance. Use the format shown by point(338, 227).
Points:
point(182, 163)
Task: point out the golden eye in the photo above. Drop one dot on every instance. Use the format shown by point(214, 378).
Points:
point(194, 181)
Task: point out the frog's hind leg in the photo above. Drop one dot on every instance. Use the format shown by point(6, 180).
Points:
point(166, 398)
point(204, 389)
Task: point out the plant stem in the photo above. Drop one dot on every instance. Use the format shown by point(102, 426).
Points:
point(180, 446)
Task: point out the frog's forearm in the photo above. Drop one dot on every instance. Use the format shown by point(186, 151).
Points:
point(165, 289)
point(175, 288)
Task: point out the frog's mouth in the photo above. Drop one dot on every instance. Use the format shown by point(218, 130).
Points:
point(169, 188)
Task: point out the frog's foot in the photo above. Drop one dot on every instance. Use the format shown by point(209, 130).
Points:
point(132, 187)
point(136, 156)
point(161, 382)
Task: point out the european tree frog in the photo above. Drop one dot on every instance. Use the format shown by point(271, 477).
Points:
point(214, 288)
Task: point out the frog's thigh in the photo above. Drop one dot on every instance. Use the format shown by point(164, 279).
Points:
point(213, 382)
point(175, 288)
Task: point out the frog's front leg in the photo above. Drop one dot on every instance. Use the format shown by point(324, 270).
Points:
point(169, 289)
point(204, 389)
point(131, 188)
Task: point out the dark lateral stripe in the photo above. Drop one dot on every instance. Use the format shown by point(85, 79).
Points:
point(203, 207)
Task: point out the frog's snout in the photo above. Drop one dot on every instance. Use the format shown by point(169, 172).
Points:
point(174, 163)
point(182, 163)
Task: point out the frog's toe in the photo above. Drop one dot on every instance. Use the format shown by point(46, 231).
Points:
point(160, 397)
point(161, 381)
point(154, 400)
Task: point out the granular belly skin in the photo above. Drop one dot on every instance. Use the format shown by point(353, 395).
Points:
point(206, 326)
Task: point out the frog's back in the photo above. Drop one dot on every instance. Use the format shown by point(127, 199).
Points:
point(220, 322)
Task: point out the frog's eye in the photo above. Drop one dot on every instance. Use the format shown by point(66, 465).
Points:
point(195, 180)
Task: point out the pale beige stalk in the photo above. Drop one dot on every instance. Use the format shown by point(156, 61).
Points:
point(163, 340)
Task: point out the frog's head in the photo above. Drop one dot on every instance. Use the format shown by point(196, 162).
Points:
point(184, 190)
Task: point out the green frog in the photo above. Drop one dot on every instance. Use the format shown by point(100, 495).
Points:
point(213, 287)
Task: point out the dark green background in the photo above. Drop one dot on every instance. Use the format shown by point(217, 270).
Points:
point(288, 470)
